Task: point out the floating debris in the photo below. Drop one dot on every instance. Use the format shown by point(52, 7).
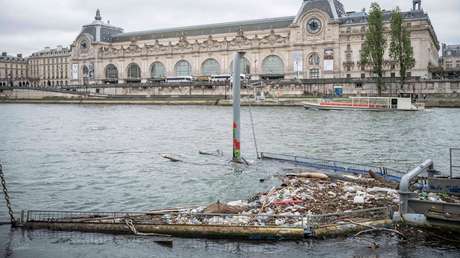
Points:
point(217, 153)
point(437, 197)
point(172, 159)
point(298, 196)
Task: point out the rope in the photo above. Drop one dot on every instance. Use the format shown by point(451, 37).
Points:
point(7, 197)
point(253, 131)
point(130, 224)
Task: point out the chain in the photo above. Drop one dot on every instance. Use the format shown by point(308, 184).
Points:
point(7, 197)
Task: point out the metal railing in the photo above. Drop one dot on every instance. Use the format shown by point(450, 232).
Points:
point(336, 166)
point(189, 218)
point(454, 154)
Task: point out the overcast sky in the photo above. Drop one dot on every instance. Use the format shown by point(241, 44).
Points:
point(27, 26)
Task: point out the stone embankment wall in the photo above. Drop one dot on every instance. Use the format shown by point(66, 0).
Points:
point(439, 92)
point(18, 94)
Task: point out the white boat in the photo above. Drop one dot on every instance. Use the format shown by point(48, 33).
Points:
point(368, 104)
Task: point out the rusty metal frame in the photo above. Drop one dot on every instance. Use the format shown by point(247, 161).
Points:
point(452, 165)
point(307, 221)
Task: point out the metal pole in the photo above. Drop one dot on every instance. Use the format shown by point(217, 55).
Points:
point(253, 131)
point(236, 106)
point(451, 164)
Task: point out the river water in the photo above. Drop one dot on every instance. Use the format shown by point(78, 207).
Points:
point(107, 158)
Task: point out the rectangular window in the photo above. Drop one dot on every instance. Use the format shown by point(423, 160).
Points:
point(348, 76)
point(314, 73)
point(393, 75)
point(363, 76)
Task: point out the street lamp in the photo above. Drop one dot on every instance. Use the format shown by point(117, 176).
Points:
point(85, 83)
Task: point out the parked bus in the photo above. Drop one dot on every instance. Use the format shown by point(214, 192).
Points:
point(242, 76)
point(225, 77)
point(157, 79)
point(179, 79)
point(220, 78)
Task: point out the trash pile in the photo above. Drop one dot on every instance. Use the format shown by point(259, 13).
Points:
point(316, 193)
point(300, 195)
point(437, 197)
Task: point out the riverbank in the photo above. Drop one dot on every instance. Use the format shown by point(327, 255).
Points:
point(438, 102)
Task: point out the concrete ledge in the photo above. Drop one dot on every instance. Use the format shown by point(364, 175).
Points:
point(196, 100)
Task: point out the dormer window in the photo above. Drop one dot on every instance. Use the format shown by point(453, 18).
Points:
point(84, 44)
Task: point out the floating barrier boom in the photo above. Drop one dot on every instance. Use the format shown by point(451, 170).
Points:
point(295, 227)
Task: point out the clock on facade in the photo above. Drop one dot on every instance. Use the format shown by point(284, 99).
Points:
point(314, 25)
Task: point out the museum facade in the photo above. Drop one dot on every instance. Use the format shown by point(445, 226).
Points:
point(321, 41)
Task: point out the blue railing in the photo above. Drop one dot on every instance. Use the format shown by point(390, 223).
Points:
point(337, 166)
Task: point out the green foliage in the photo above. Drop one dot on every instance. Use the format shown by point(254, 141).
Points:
point(373, 50)
point(401, 50)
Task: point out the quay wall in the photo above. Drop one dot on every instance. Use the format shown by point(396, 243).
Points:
point(433, 92)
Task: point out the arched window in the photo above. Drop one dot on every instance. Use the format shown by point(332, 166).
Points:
point(85, 71)
point(134, 72)
point(183, 68)
point(273, 65)
point(314, 59)
point(210, 67)
point(157, 70)
point(245, 66)
point(111, 72)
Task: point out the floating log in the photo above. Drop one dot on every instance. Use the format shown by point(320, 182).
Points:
point(335, 230)
point(315, 175)
point(190, 231)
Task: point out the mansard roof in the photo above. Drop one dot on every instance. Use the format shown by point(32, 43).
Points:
point(7, 57)
point(361, 17)
point(58, 51)
point(333, 8)
point(451, 51)
point(218, 28)
point(106, 29)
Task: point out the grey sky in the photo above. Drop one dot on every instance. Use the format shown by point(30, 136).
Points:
point(30, 25)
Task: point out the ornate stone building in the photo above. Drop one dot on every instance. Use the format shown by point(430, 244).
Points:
point(451, 61)
point(321, 41)
point(49, 67)
point(13, 70)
